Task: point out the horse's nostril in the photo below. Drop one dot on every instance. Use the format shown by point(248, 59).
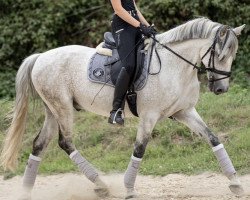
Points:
point(219, 91)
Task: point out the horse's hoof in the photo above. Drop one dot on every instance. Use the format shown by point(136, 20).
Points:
point(101, 192)
point(101, 188)
point(236, 189)
point(24, 197)
point(131, 194)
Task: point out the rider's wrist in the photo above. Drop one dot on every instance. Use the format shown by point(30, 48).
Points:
point(138, 25)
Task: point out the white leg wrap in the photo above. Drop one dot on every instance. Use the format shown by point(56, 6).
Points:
point(131, 173)
point(31, 170)
point(224, 160)
point(84, 166)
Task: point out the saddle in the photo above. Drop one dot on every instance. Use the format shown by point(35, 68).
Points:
point(115, 62)
point(105, 65)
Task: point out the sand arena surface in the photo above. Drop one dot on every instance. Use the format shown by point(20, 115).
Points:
point(207, 186)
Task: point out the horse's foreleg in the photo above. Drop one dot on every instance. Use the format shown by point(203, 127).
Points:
point(50, 128)
point(192, 119)
point(65, 142)
point(143, 134)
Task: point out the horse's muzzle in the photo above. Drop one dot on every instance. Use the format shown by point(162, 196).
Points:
point(217, 88)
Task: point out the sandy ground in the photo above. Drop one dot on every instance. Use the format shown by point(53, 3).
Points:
point(207, 186)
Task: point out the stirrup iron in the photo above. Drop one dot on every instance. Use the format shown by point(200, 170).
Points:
point(114, 122)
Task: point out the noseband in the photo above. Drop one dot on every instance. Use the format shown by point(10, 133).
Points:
point(211, 66)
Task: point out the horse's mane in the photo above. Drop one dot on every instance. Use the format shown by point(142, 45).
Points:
point(193, 29)
point(198, 28)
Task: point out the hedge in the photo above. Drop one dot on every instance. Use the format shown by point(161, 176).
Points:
point(30, 26)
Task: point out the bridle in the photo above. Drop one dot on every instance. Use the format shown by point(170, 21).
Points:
point(211, 59)
point(211, 64)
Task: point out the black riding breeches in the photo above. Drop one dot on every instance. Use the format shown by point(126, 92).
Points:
point(126, 37)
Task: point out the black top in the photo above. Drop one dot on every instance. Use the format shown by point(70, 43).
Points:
point(128, 5)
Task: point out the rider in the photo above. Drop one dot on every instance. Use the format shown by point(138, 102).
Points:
point(128, 25)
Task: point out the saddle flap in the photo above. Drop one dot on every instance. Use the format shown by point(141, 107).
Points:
point(108, 39)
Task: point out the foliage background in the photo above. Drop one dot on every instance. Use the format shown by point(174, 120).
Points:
point(30, 26)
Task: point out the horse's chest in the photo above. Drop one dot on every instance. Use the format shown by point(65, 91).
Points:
point(189, 96)
point(182, 98)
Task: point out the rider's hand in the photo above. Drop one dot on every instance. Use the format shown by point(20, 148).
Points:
point(153, 29)
point(148, 31)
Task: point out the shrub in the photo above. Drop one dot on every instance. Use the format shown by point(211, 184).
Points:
point(39, 25)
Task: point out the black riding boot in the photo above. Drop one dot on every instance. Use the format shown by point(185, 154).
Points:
point(121, 88)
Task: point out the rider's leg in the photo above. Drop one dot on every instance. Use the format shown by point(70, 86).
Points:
point(121, 88)
point(126, 39)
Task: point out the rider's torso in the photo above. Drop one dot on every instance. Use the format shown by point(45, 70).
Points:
point(128, 5)
point(117, 22)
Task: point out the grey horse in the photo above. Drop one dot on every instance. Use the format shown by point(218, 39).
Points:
point(59, 78)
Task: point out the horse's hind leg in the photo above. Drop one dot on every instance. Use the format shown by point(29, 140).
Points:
point(147, 123)
point(64, 115)
point(192, 119)
point(50, 128)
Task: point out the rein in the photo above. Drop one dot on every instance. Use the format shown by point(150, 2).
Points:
point(201, 69)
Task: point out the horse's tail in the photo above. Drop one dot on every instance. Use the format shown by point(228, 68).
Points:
point(13, 140)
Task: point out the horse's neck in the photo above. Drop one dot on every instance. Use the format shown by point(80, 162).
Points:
point(177, 70)
point(189, 49)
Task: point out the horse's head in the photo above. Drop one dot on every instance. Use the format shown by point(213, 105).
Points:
point(218, 55)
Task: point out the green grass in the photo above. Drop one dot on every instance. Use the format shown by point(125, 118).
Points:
point(172, 149)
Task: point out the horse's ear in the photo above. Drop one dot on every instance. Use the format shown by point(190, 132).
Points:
point(238, 30)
